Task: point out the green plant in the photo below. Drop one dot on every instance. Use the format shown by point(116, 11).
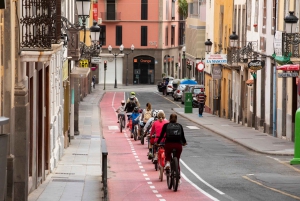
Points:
point(183, 8)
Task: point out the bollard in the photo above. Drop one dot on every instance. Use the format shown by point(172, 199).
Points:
point(296, 159)
point(104, 167)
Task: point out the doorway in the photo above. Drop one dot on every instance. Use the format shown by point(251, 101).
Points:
point(143, 72)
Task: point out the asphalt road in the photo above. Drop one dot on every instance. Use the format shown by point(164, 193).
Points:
point(225, 170)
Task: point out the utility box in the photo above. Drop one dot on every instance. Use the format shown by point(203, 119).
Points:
point(188, 103)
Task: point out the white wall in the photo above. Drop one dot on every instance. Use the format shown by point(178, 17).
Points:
point(110, 72)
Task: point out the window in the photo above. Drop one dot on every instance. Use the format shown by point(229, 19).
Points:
point(167, 37)
point(264, 22)
point(118, 35)
point(144, 10)
point(173, 10)
point(249, 15)
point(111, 10)
point(144, 35)
point(181, 33)
point(103, 35)
point(256, 16)
point(167, 9)
point(173, 35)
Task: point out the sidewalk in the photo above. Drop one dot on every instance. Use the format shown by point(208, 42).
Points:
point(245, 136)
point(78, 174)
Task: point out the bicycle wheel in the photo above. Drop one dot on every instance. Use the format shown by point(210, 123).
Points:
point(135, 133)
point(169, 179)
point(123, 122)
point(175, 173)
point(120, 124)
point(142, 137)
point(155, 165)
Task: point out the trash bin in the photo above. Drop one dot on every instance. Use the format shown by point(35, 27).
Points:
point(188, 103)
point(3, 164)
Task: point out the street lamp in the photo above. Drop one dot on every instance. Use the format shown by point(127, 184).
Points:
point(184, 61)
point(115, 55)
point(208, 45)
point(132, 48)
point(233, 40)
point(290, 20)
point(95, 32)
point(83, 9)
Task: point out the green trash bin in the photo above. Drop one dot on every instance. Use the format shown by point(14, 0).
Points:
point(188, 103)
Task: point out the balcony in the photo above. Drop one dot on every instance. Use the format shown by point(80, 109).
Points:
point(110, 16)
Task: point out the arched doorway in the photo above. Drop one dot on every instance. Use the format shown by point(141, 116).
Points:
point(143, 70)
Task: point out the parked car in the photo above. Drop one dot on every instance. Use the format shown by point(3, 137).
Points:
point(178, 92)
point(172, 86)
point(194, 89)
point(160, 86)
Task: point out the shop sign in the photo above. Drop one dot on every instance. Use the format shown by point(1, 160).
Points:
point(283, 75)
point(216, 58)
point(256, 64)
point(149, 61)
point(96, 60)
point(200, 66)
point(216, 72)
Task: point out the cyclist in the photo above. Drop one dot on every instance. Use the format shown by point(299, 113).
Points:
point(174, 134)
point(129, 108)
point(121, 110)
point(135, 118)
point(132, 94)
point(157, 127)
point(146, 115)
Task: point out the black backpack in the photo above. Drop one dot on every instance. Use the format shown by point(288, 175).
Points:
point(173, 130)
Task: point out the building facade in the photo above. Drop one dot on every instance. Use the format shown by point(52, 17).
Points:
point(156, 31)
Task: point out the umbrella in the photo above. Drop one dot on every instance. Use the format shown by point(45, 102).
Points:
point(188, 82)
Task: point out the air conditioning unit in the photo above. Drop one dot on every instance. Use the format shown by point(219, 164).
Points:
point(99, 20)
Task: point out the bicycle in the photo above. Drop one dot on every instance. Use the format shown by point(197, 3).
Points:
point(142, 134)
point(121, 122)
point(173, 173)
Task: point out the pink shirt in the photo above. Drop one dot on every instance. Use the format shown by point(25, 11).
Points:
point(157, 127)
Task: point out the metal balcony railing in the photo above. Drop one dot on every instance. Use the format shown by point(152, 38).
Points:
point(110, 16)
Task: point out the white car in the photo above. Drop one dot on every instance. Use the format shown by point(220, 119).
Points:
point(178, 92)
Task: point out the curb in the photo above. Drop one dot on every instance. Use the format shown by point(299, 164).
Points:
point(237, 142)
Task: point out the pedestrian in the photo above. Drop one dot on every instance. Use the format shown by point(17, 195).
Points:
point(174, 135)
point(94, 81)
point(201, 98)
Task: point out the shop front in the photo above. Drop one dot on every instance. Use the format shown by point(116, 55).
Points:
point(143, 70)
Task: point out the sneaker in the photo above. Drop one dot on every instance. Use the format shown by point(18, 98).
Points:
point(150, 156)
point(167, 166)
point(200, 115)
point(179, 182)
point(118, 122)
point(139, 137)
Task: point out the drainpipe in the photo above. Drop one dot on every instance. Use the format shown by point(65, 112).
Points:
point(274, 130)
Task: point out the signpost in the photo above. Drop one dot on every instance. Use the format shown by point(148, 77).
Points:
point(96, 60)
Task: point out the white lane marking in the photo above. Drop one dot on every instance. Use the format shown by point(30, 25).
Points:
point(202, 180)
point(162, 200)
point(152, 187)
point(141, 167)
point(136, 156)
point(192, 127)
point(145, 175)
point(137, 159)
point(199, 189)
point(149, 182)
point(142, 170)
point(158, 195)
point(147, 179)
point(155, 191)
point(113, 128)
point(112, 102)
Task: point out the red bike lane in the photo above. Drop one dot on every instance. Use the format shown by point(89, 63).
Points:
point(131, 175)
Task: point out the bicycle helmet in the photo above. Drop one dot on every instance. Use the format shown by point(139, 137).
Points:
point(131, 98)
point(122, 102)
point(136, 109)
point(132, 93)
point(154, 113)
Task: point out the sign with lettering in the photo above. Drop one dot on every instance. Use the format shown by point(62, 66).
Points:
point(256, 64)
point(284, 75)
point(216, 58)
point(217, 72)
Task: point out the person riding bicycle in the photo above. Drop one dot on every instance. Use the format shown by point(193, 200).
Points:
point(174, 134)
point(148, 125)
point(129, 107)
point(132, 94)
point(121, 110)
point(157, 127)
point(135, 118)
point(146, 115)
